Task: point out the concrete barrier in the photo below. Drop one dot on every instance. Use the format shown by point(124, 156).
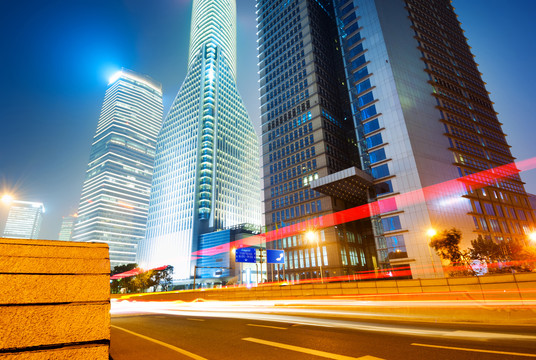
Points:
point(520, 286)
point(54, 300)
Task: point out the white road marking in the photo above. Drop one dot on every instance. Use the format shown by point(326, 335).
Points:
point(174, 348)
point(310, 351)
point(475, 350)
point(267, 326)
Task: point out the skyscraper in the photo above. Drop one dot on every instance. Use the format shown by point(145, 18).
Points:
point(421, 114)
point(206, 167)
point(67, 227)
point(307, 133)
point(24, 219)
point(424, 117)
point(115, 195)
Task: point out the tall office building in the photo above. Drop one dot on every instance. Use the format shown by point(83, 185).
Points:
point(67, 227)
point(307, 134)
point(115, 196)
point(206, 167)
point(24, 219)
point(422, 117)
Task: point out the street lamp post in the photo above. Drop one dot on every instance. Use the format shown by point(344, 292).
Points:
point(312, 236)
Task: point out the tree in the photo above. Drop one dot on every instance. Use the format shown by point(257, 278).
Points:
point(485, 249)
point(447, 246)
point(123, 268)
point(124, 283)
point(165, 278)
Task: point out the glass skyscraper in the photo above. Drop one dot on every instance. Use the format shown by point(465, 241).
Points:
point(24, 219)
point(67, 227)
point(421, 115)
point(307, 134)
point(206, 174)
point(115, 195)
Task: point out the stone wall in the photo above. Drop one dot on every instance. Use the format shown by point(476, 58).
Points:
point(54, 300)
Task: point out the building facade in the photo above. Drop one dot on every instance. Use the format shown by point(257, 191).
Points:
point(206, 168)
point(67, 227)
point(307, 133)
point(24, 219)
point(115, 195)
point(423, 118)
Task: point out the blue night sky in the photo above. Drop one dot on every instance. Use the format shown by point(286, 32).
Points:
point(57, 56)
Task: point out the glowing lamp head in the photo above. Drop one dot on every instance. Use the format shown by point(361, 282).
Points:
point(532, 237)
point(431, 232)
point(310, 236)
point(7, 199)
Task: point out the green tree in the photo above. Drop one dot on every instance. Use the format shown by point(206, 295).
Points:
point(124, 283)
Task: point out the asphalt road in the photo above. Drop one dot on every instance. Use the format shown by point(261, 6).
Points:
point(169, 336)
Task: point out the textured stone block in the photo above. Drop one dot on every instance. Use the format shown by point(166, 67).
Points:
point(52, 249)
point(27, 326)
point(32, 289)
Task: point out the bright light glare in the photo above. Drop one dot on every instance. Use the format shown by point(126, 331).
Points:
point(115, 76)
point(310, 236)
point(532, 237)
point(431, 232)
point(7, 199)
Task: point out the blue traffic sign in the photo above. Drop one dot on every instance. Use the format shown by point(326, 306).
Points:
point(246, 255)
point(275, 256)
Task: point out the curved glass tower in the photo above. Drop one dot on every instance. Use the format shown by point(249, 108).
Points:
point(206, 174)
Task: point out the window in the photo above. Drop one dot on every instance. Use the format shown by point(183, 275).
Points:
point(521, 215)
point(378, 155)
point(380, 171)
point(383, 187)
point(365, 99)
point(494, 225)
point(362, 86)
point(396, 247)
point(391, 223)
point(368, 112)
point(478, 207)
point(489, 209)
point(374, 140)
point(371, 126)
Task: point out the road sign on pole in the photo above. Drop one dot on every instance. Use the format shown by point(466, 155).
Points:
point(275, 256)
point(245, 255)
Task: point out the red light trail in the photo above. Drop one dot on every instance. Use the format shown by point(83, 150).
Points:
point(452, 187)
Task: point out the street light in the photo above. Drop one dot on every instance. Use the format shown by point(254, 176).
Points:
point(431, 232)
point(532, 237)
point(7, 199)
point(311, 237)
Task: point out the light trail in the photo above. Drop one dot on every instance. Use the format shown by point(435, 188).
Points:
point(277, 311)
point(453, 187)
